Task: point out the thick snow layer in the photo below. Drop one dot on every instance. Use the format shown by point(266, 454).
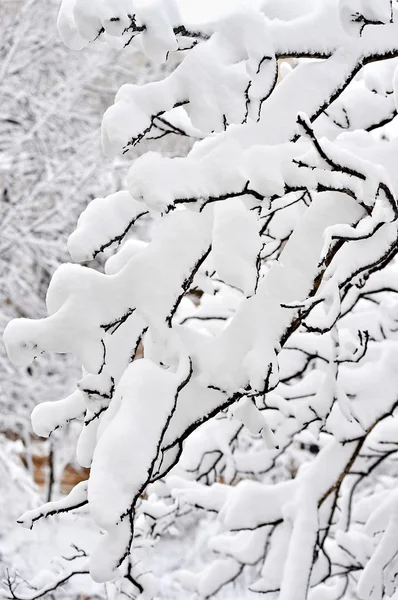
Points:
point(48, 416)
point(242, 362)
point(105, 221)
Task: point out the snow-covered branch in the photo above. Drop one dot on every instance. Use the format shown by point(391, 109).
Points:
point(263, 303)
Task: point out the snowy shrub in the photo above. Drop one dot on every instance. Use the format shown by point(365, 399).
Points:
point(264, 303)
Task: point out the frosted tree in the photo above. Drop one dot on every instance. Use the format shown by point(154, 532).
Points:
point(264, 303)
point(51, 166)
point(46, 163)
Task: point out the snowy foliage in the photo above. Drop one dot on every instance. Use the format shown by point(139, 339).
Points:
point(48, 159)
point(264, 303)
point(51, 166)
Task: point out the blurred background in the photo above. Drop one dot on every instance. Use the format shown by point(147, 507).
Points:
point(51, 165)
